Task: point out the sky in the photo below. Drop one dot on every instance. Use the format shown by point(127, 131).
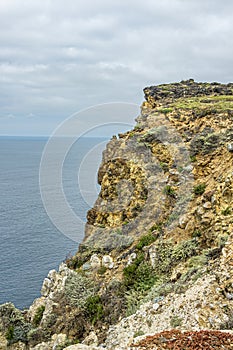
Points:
point(59, 57)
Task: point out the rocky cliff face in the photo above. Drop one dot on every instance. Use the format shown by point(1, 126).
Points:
point(158, 247)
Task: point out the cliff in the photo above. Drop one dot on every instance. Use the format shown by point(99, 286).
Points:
point(158, 248)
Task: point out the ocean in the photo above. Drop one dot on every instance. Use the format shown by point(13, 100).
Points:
point(30, 244)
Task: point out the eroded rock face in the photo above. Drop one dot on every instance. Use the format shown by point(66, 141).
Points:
point(157, 252)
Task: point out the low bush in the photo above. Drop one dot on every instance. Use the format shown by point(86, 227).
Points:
point(169, 191)
point(78, 288)
point(10, 333)
point(226, 211)
point(94, 308)
point(199, 189)
point(18, 333)
point(146, 240)
point(38, 315)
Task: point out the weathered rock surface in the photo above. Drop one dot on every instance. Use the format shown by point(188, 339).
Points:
point(158, 246)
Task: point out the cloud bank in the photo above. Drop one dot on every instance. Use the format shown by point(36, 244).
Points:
point(57, 57)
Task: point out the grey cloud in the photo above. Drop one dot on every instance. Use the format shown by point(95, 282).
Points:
point(9, 116)
point(58, 57)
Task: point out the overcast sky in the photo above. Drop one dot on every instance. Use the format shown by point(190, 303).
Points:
point(58, 57)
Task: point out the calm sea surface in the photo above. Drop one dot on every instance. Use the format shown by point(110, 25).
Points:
point(30, 245)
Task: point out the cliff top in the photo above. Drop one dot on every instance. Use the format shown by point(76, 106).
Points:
point(185, 89)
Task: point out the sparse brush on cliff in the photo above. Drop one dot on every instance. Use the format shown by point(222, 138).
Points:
point(146, 240)
point(199, 189)
point(78, 288)
point(169, 191)
point(94, 308)
point(38, 315)
point(167, 244)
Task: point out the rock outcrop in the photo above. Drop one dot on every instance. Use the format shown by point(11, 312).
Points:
point(158, 246)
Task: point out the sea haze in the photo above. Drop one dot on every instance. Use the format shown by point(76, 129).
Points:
point(30, 245)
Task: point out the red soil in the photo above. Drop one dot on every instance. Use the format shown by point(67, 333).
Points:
point(177, 340)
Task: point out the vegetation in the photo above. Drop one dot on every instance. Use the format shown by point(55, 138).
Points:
point(184, 250)
point(146, 240)
point(193, 159)
point(142, 281)
point(212, 103)
point(94, 308)
point(10, 333)
point(17, 333)
point(197, 261)
point(78, 289)
point(38, 315)
point(169, 191)
point(164, 166)
point(102, 270)
point(196, 233)
point(226, 211)
point(165, 110)
point(199, 189)
point(130, 272)
point(157, 227)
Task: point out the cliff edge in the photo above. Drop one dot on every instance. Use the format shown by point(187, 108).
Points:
point(158, 249)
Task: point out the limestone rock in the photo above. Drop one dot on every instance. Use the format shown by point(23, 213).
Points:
point(91, 339)
point(82, 347)
point(183, 220)
point(95, 261)
point(3, 342)
point(107, 261)
point(207, 205)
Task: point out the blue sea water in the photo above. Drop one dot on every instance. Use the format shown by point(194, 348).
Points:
point(30, 245)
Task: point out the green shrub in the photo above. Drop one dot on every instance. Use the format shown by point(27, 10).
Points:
point(102, 270)
point(17, 333)
point(134, 299)
point(145, 276)
point(10, 333)
point(94, 308)
point(168, 255)
point(226, 211)
point(193, 159)
point(146, 240)
point(125, 222)
point(157, 227)
point(164, 166)
point(78, 288)
point(38, 315)
point(138, 281)
point(165, 110)
point(196, 233)
point(169, 191)
point(13, 324)
point(199, 189)
point(129, 271)
point(197, 261)
point(139, 275)
point(184, 250)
